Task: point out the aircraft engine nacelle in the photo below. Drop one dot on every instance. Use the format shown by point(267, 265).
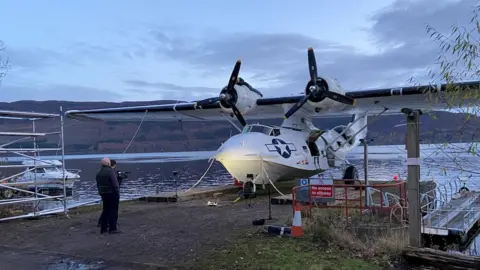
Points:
point(244, 97)
point(320, 101)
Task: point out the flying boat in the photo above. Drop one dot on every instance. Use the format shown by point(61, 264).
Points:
point(262, 154)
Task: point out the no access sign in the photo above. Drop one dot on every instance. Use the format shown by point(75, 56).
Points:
point(322, 192)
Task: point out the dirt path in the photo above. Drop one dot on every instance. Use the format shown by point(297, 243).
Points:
point(168, 235)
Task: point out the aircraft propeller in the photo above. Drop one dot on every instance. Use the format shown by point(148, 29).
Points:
point(317, 88)
point(228, 95)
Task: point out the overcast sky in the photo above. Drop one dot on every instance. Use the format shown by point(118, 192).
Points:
point(185, 49)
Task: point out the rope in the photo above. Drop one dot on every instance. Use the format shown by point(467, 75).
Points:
point(268, 177)
point(134, 135)
point(201, 178)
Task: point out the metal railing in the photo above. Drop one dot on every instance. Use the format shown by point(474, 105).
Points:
point(24, 191)
point(437, 206)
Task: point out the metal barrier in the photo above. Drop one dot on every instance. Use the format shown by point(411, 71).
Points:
point(352, 197)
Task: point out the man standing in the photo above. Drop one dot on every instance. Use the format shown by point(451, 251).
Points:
point(108, 189)
point(113, 164)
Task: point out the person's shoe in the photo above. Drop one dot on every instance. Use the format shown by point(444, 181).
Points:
point(102, 231)
point(115, 232)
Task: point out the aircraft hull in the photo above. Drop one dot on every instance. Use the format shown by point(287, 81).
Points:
point(245, 170)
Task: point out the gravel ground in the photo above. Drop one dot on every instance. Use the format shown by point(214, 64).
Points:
point(156, 236)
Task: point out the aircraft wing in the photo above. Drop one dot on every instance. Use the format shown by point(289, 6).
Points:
point(427, 98)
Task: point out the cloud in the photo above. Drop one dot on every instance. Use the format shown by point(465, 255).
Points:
point(35, 59)
point(82, 52)
point(179, 63)
point(10, 93)
point(405, 21)
point(172, 89)
point(398, 31)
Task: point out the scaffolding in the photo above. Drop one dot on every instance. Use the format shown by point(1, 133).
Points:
point(19, 194)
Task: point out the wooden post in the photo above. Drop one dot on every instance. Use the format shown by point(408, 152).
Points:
point(413, 184)
point(365, 169)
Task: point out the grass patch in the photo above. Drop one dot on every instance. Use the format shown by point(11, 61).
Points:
point(367, 236)
point(266, 252)
point(328, 243)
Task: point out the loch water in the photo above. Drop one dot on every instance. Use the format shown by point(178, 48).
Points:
point(153, 172)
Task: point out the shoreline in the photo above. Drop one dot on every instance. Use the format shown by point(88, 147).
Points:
point(185, 226)
point(181, 235)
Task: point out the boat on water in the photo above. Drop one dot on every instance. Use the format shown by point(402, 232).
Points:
point(47, 174)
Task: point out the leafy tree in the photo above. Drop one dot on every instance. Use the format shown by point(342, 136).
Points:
point(459, 50)
point(459, 60)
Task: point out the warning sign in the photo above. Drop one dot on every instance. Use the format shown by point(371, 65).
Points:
point(321, 191)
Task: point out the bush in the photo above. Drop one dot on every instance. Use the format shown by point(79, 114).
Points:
point(368, 237)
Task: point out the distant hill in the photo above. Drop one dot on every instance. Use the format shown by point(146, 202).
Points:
point(113, 137)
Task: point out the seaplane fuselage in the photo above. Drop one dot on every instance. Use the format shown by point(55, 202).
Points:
point(263, 154)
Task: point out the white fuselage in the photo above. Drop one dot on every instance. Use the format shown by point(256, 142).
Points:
point(268, 154)
point(262, 157)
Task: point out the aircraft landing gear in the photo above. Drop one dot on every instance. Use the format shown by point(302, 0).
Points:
point(249, 192)
point(350, 175)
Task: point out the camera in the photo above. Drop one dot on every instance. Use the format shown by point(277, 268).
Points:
point(123, 175)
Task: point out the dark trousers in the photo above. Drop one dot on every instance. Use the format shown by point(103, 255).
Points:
point(109, 216)
point(99, 223)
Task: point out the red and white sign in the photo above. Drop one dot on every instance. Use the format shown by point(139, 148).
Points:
point(321, 191)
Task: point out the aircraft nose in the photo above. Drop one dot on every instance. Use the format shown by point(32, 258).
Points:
point(224, 154)
point(241, 157)
point(234, 148)
point(228, 150)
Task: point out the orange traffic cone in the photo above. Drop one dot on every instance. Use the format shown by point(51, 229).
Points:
point(297, 223)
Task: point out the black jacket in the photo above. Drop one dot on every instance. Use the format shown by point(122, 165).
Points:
point(107, 182)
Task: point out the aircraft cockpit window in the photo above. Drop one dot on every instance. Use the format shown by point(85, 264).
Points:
point(258, 128)
point(276, 132)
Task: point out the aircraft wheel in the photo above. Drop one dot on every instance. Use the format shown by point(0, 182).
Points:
point(248, 190)
point(463, 189)
point(351, 174)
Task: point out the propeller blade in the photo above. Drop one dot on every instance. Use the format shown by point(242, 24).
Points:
point(339, 98)
point(297, 106)
point(230, 87)
point(207, 101)
point(238, 115)
point(234, 76)
point(312, 66)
